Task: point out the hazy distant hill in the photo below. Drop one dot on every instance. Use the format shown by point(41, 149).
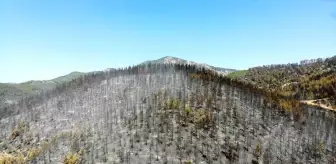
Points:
point(175, 60)
point(11, 92)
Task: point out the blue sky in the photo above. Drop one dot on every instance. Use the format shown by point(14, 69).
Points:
point(43, 39)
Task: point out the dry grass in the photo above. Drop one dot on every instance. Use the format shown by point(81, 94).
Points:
point(72, 158)
point(33, 153)
point(11, 159)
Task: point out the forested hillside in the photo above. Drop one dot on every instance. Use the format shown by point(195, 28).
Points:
point(160, 113)
point(307, 80)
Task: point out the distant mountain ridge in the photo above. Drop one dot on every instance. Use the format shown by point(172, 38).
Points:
point(175, 60)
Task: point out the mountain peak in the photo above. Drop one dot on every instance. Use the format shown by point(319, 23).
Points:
point(168, 57)
point(170, 60)
point(171, 57)
point(175, 60)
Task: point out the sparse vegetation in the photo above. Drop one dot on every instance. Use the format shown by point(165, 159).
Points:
point(10, 159)
point(188, 162)
point(33, 153)
point(187, 110)
point(17, 131)
point(257, 151)
point(72, 158)
point(203, 118)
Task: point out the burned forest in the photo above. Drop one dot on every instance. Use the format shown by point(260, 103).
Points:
point(165, 114)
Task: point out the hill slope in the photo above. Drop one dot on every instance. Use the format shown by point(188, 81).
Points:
point(162, 114)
